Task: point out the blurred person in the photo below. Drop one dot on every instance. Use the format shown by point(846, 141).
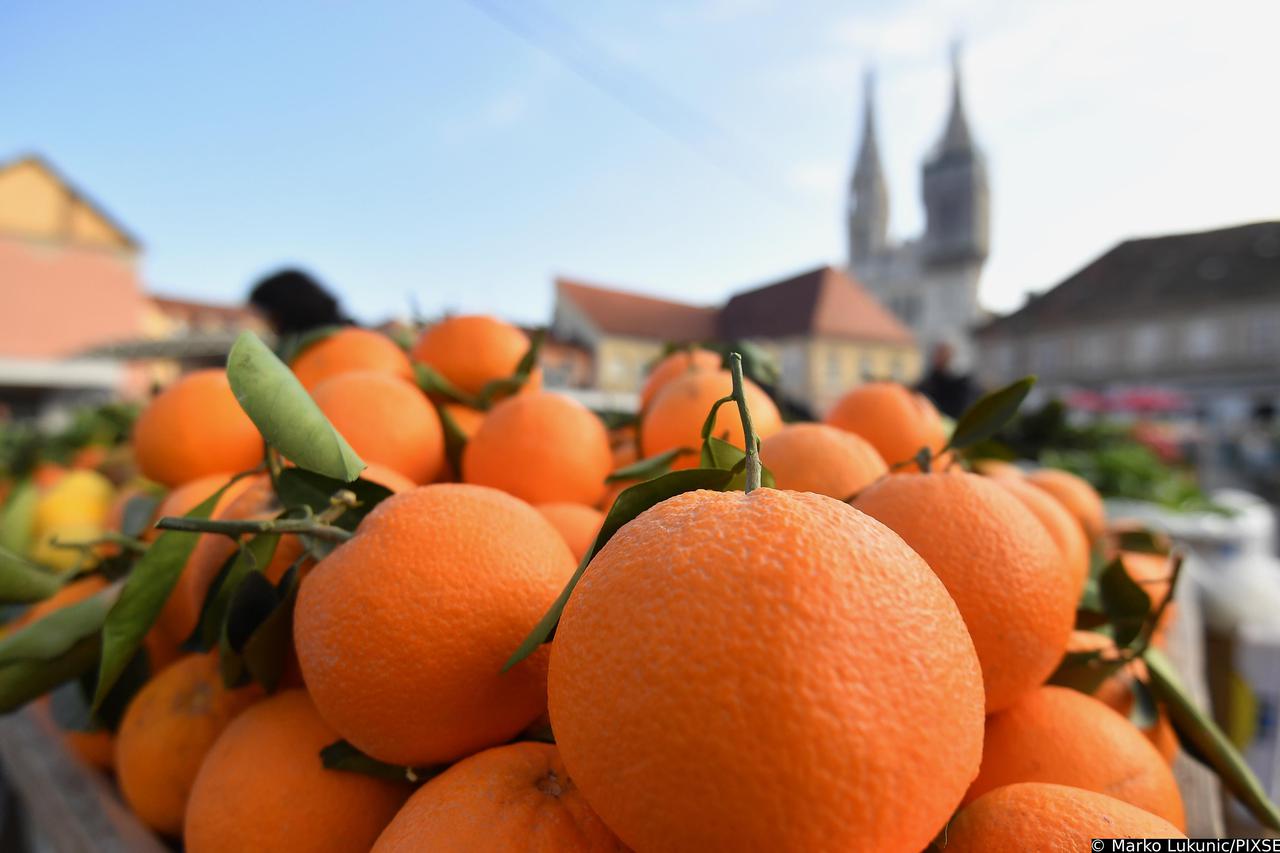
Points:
point(951, 392)
point(294, 302)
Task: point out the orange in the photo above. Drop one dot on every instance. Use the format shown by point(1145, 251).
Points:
point(1067, 533)
point(94, 749)
point(385, 477)
point(997, 468)
point(897, 421)
point(1152, 572)
point(998, 563)
point(193, 428)
point(625, 452)
point(47, 474)
point(250, 498)
point(1048, 818)
point(386, 421)
point(1074, 493)
point(822, 459)
point(578, 524)
point(675, 365)
point(719, 680)
point(351, 349)
point(168, 728)
point(511, 798)
point(187, 496)
point(403, 630)
point(89, 456)
point(1117, 691)
point(542, 448)
point(262, 787)
point(1058, 735)
point(675, 416)
point(471, 351)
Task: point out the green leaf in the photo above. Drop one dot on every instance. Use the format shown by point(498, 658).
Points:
point(710, 423)
point(138, 513)
point(455, 440)
point(992, 411)
point(630, 503)
point(1125, 602)
point(497, 389)
point(54, 634)
point(1142, 540)
point(284, 412)
point(616, 419)
point(135, 675)
point(341, 755)
point(23, 582)
point(24, 680)
point(297, 488)
point(253, 556)
point(1198, 728)
point(432, 382)
point(266, 652)
point(146, 589)
point(17, 518)
point(1084, 671)
point(252, 601)
point(718, 453)
point(647, 469)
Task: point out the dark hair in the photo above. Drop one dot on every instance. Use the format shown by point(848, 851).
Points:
point(295, 302)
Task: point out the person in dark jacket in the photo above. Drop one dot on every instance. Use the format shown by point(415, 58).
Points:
point(951, 392)
point(294, 303)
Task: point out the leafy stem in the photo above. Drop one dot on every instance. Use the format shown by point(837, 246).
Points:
point(750, 443)
point(310, 526)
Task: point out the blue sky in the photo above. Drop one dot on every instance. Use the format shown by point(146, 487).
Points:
point(424, 148)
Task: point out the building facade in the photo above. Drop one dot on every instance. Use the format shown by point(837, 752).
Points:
point(931, 281)
point(1198, 314)
point(824, 330)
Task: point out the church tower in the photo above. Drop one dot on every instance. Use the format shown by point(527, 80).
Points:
point(956, 199)
point(868, 207)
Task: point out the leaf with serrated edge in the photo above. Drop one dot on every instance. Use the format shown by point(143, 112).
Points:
point(991, 412)
point(1213, 746)
point(283, 411)
point(629, 504)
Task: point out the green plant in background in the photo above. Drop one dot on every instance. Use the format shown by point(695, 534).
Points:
point(24, 445)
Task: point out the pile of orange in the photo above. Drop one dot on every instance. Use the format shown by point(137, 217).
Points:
point(855, 658)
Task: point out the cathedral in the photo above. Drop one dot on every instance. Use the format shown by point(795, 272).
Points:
point(931, 281)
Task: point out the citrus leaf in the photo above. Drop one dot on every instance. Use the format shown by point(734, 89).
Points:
point(647, 469)
point(718, 453)
point(1125, 602)
point(1142, 540)
point(497, 389)
point(1210, 744)
point(283, 411)
point(252, 601)
point(710, 423)
point(455, 440)
point(991, 412)
point(206, 627)
point(629, 504)
point(145, 591)
point(22, 582)
point(24, 680)
point(1084, 671)
point(53, 634)
point(17, 519)
point(341, 755)
point(297, 488)
point(253, 556)
point(432, 382)
point(266, 652)
point(138, 512)
point(616, 419)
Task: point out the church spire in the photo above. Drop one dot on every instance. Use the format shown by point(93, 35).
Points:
point(956, 135)
point(869, 193)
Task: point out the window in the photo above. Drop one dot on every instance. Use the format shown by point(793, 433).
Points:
point(833, 369)
point(867, 369)
point(1146, 344)
point(1264, 335)
point(1046, 356)
point(1202, 339)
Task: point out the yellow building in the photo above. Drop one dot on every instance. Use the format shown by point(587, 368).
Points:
point(825, 331)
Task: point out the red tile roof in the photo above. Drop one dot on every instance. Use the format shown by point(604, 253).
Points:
point(617, 312)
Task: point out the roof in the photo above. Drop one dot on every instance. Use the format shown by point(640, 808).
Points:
point(190, 308)
point(618, 312)
point(1177, 273)
point(824, 301)
point(75, 195)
